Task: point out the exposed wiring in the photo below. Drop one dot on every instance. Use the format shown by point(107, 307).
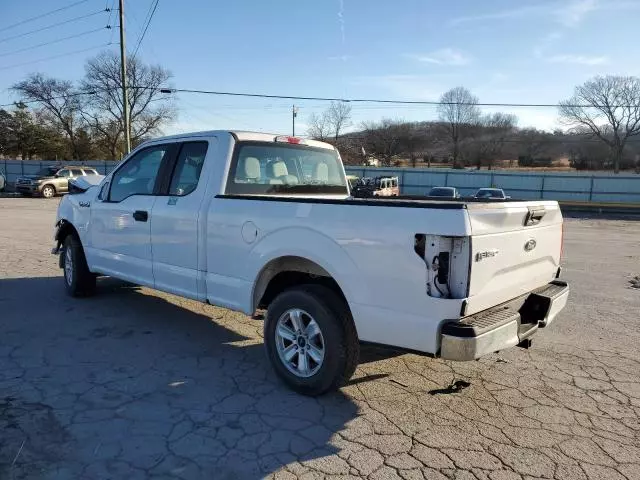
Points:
point(144, 32)
point(22, 22)
point(48, 27)
point(58, 40)
point(52, 57)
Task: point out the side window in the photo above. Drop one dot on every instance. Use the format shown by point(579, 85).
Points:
point(64, 173)
point(138, 175)
point(76, 172)
point(188, 167)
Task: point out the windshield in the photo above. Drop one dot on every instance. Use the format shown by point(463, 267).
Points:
point(47, 172)
point(263, 168)
point(441, 192)
point(489, 194)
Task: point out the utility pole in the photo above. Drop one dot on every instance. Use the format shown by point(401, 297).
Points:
point(123, 75)
point(294, 114)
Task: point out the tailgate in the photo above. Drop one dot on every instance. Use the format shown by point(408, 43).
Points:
point(515, 248)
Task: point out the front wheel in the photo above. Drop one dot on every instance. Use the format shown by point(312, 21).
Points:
point(48, 191)
point(311, 340)
point(78, 280)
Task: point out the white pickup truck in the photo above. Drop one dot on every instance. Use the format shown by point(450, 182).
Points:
point(252, 221)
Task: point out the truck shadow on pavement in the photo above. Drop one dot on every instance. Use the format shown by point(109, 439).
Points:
point(132, 383)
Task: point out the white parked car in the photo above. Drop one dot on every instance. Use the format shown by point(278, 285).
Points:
point(253, 221)
point(493, 193)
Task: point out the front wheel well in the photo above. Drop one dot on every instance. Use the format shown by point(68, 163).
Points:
point(286, 272)
point(66, 228)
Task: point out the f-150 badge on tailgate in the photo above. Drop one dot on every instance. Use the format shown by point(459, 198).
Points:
point(487, 254)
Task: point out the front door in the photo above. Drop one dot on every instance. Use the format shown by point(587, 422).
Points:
point(120, 233)
point(175, 224)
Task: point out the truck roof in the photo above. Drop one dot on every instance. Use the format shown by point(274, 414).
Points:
point(243, 135)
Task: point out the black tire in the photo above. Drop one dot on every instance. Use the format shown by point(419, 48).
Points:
point(79, 281)
point(48, 191)
point(341, 345)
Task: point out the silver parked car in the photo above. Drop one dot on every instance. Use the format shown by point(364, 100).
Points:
point(496, 193)
point(3, 181)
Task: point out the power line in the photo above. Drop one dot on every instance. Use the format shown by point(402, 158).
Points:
point(382, 101)
point(54, 25)
point(88, 32)
point(56, 56)
point(362, 100)
point(155, 6)
point(22, 22)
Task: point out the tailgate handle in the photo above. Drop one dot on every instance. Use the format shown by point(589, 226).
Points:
point(534, 216)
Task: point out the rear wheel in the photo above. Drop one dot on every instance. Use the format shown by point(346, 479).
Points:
point(48, 191)
point(78, 280)
point(311, 340)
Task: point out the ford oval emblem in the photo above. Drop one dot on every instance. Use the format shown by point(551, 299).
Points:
point(530, 245)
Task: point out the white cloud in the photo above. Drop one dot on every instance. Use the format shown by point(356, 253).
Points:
point(342, 58)
point(573, 13)
point(413, 87)
point(587, 60)
point(519, 12)
point(569, 14)
point(444, 56)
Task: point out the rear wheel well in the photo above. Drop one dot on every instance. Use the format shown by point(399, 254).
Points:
point(286, 272)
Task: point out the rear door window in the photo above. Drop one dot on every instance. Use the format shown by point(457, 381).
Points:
point(188, 168)
point(272, 168)
point(76, 172)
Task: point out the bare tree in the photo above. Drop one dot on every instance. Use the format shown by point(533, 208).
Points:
point(533, 142)
point(385, 138)
point(149, 108)
point(609, 109)
point(59, 101)
point(490, 136)
point(338, 117)
point(319, 127)
point(458, 111)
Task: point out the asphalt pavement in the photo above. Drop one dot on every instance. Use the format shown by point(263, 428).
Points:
point(133, 383)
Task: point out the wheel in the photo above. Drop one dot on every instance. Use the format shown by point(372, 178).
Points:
point(78, 280)
point(48, 191)
point(311, 340)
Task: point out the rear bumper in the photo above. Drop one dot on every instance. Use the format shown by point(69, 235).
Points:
point(503, 326)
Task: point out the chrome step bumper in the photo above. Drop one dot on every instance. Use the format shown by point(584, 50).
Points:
point(503, 326)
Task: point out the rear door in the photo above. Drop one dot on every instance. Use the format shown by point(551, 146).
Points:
point(175, 222)
point(515, 248)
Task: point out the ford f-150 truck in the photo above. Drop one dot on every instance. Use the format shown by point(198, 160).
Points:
point(251, 221)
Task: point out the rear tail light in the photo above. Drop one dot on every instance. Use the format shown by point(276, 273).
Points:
point(288, 139)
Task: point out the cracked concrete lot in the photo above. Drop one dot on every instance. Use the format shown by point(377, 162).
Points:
point(133, 383)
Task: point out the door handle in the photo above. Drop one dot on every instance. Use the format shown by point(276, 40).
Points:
point(140, 216)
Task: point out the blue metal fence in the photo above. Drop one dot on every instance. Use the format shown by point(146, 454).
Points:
point(583, 187)
point(570, 186)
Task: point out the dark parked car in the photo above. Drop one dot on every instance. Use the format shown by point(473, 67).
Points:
point(444, 192)
point(496, 193)
point(51, 181)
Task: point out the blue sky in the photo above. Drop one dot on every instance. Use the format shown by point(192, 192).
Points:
point(502, 50)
